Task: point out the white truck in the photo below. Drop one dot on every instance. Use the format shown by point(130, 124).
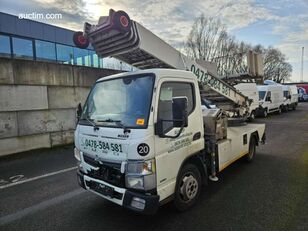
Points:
point(271, 99)
point(290, 97)
point(251, 91)
point(141, 139)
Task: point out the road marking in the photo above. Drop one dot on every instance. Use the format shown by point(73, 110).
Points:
point(37, 177)
point(41, 206)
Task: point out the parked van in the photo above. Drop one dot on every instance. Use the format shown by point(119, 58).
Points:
point(271, 99)
point(290, 97)
point(302, 95)
point(251, 91)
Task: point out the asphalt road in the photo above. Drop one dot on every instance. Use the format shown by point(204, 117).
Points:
point(269, 194)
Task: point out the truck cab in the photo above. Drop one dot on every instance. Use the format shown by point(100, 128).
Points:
point(140, 140)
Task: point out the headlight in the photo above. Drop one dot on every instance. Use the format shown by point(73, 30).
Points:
point(77, 154)
point(141, 174)
point(141, 167)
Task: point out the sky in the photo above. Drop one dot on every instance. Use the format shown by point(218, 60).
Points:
point(282, 24)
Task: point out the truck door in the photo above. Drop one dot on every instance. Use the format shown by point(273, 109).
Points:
point(170, 152)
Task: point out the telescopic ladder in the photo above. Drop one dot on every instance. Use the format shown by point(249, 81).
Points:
point(118, 36)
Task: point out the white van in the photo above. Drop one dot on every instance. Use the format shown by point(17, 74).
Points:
point(290, 97)
point(251, 91)
point(271, 99)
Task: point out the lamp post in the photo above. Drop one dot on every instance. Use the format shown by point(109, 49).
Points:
point(302, 68)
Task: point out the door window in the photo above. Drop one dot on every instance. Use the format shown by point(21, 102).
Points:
point(168, 91)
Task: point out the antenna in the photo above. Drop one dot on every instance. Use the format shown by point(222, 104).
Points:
point(302, 68)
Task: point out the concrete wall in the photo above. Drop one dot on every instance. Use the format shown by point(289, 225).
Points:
point(38, 102)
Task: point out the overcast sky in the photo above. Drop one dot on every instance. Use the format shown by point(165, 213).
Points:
point(279, 23)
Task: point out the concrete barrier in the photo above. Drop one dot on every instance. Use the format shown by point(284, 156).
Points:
point(38, 102)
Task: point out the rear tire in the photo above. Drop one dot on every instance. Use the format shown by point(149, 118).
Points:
point(188, 187)
point(252, 149)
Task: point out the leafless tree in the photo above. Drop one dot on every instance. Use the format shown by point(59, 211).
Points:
point(208, 40)
point(275, 66)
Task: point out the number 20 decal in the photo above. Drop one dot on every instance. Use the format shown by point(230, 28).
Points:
point(143, 149)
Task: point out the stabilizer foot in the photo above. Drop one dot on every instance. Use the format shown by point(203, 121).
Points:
point(213, 178)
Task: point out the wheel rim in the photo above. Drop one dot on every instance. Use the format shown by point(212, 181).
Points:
point(189, 187)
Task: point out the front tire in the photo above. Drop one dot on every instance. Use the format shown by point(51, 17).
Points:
point(252, 116)
point(265, 113)
point(279, 110)
point(188, 188)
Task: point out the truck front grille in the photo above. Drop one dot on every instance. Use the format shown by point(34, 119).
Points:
point(108, 172)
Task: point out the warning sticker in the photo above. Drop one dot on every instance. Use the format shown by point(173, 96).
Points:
point(140, 122)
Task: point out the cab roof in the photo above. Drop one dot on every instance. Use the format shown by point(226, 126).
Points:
point(157, 71)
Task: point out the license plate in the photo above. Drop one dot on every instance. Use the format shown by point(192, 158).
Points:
point(102, 189)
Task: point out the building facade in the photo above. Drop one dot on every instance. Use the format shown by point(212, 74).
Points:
point(27, 39)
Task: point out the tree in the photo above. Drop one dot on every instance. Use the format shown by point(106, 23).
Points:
point(275, 66)
point(208, 40)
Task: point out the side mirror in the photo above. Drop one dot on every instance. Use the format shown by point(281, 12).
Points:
point(79, 111)
point(289, 97)
point(179, 120)
point(268, 99)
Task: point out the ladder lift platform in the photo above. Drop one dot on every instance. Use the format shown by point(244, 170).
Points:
point(118, 36)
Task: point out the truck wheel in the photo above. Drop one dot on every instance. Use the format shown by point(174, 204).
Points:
point(188, 187)
point(252, 116)
point(279, 110)
point(265, 113)
point(252, 149)
point(286, 108)
point(294, 107)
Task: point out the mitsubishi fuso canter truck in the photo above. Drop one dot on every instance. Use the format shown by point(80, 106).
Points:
point(142, 139)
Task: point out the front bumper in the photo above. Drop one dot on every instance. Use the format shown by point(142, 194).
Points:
point(120, 196)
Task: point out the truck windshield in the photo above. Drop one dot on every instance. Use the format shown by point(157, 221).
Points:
point(121, 102)
point(261, 94)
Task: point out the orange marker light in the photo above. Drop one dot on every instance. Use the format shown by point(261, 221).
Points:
point(140, 122)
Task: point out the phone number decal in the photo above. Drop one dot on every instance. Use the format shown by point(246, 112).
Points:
point(101, 145)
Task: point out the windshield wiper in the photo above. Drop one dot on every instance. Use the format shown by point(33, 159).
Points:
point(91, 121)
point(117, 122)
